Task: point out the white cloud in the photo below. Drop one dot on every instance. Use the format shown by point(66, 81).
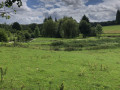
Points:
point(76, 8)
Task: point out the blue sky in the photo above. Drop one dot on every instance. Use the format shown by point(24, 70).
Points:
point(34, 11)
point(93, 2)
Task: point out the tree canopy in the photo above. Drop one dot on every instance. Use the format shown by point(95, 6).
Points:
point(69, 28)
point(85, 28)
point(16, 26)
point(85, 18)
point(99, 30)
point(3, 36)
point(49, 28)
point(8, 4)
point(37, 31)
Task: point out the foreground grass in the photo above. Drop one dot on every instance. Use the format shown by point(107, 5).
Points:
point(36, 69)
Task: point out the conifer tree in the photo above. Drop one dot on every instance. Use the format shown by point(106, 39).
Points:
point(118, 17)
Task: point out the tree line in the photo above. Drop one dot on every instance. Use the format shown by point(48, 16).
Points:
point(66, 27)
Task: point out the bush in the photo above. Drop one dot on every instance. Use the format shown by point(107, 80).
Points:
point(57, 43)
point(27, 36)
point(100, 47)
point(55, 48)
point(70, 49)
point(93, 31)
point(3, 37)
point(20, 38)
point(78, 45)
point(32, 35)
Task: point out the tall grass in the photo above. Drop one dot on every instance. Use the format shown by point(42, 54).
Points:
point(105, 43)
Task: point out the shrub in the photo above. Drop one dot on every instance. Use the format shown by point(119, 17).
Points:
point(3, 37)
point(56, 48)
point(62, 86)
point(18, 44)
point(32, 35)
point(93, 31)
point(57, 43)
point(20, 38)
point(27, 36)
point(70, 49)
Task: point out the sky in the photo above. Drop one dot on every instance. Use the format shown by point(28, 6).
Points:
point(34, 11)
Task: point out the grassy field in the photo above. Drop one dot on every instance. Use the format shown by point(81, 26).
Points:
point(37, 67)
point(46, 63)
point(111, 31)
point(115, 29)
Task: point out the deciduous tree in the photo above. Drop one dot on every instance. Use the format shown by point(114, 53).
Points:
point(99, 30)
point(8, 4)
point(69, 28)
point(16, 26)
point(3, 36)
point(49, 28)
point(37, 32)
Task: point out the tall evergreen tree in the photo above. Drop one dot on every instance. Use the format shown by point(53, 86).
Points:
point(118, 17)
point(59, 28)
point(49, 18)
point(85, 19)
point(56, 20)
point(45, 19)
point(85, 28)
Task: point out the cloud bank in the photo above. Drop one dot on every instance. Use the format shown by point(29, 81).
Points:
point(34, 11)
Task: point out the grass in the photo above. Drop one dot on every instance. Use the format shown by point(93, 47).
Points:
point(87, 44)
point(34, 68)
point(111, 35)
point(58, 44)
point(115, 29)
point(47, 64)
point(111, 31)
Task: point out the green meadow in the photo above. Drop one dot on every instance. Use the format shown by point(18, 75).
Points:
point(36, 65)
point(52, 63)
point(111, 31)
point(59, 53)
point(115, 29)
